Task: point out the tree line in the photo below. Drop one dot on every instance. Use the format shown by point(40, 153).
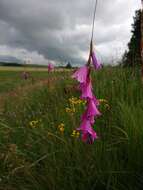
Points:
point(132, 56)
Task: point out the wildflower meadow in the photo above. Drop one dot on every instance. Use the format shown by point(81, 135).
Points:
point(71, 95)
point(40, 146)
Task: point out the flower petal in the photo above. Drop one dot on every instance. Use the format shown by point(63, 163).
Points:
point(86, 89)
point(81, 74)
point(96, 62)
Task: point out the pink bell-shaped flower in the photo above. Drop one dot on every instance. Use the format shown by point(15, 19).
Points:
point(92, 108)
point(86, 89)
point(88, 134)
point(81, 74)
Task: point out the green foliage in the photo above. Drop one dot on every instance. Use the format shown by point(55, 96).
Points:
point(42, 158)
point(132, 57)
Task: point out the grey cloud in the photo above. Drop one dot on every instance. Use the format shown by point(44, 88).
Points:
point(60, 29)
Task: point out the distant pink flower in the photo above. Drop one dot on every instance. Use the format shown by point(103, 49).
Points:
point(88, 134)
point(81, 74)
point(86, 89)
point(50, 67)
point(96, 63)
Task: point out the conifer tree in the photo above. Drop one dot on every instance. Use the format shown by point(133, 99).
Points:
point(132, 56)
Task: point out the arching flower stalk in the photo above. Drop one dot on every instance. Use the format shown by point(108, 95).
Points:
point(82, 75)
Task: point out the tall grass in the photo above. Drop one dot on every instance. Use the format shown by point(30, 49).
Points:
point(43, 158)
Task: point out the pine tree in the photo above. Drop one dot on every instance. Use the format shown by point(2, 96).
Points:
point(68, 66)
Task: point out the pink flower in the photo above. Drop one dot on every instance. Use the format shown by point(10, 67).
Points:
point(92, 108)
point(88, 134)
point(50, 67)
point(97, 103)
point(96, 63)
point(81, 74)
point(88, 137)
point(86, 89)
point(85, 116)
point(91, 111)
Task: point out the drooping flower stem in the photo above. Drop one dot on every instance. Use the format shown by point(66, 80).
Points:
point(83, 76)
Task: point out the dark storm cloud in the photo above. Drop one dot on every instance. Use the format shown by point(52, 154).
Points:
point(60, 29)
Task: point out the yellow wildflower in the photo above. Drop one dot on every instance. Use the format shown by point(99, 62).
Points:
point(34, 123)
point(103, 101)
point(70, 110)
point(75, 101)
point(83, 102)
point(61, 127)
point(75, 134)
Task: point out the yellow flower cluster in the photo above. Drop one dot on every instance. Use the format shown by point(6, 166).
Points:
point(75, 134)
point(75, 101)
point(103, 101)
point(61, 127)
point(70, 110)
point(34, 123)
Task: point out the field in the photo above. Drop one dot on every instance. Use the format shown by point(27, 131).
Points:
point(38, 149)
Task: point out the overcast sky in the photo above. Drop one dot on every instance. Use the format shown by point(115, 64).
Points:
point(59, 30)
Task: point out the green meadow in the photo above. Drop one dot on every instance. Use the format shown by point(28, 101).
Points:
point(38, 150)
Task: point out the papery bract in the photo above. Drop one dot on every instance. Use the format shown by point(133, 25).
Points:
point(96, 63)
point(81, 74)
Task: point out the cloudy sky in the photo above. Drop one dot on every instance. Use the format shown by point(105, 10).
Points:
point(60, 30)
